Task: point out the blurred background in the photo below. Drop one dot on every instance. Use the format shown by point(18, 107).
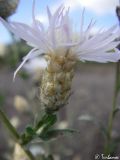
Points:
point(93, 85)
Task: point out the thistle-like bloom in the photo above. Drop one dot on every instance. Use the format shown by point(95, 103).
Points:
point(62, 49)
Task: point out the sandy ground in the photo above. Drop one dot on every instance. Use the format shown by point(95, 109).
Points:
point(93, 88)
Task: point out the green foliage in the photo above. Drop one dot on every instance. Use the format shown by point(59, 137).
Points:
point(117, 83)
point(55, 133)
point(2, 99)
point(113, 145)
point(28, 135)
point(44, 130)
point(50, 157)
point(47, 121)
point(14, 53)
point(30, 130)
point(116, 111)
point(24, 75)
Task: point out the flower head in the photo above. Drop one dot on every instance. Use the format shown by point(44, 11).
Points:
point(62, 49)
point(59, 34)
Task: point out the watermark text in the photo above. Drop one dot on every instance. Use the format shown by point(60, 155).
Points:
point(104, 157)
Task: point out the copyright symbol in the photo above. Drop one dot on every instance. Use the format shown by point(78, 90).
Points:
point(97, 156)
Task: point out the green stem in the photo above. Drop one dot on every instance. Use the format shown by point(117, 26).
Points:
point(29, 154)
point(47, 120)
point(8, 125)
point(107, 149)
point(14, 133)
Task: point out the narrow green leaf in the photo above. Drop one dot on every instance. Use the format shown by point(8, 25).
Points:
point(116, 111)
point(54, 133)
point(28, 135)
point(50, 157)
point(24, 75)
point(30, 130)
point(47, 119)
point(2, 99)
point(113, 146)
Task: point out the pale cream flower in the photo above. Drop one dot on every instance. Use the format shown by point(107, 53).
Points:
point(15, 121)
point(20, 103)
point(63, 125)
point(19, 154)
point(2, 50)
point(62, 49)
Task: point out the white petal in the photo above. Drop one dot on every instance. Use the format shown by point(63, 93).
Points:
point(23, 31)
point(82, 22)
point(102, 57)
point(52, 25)
point(49, 14)
point(88, 30)
point(66, 27)
point(36, 54)
point(23, 62)
point(107, 47)
point(98, 41)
